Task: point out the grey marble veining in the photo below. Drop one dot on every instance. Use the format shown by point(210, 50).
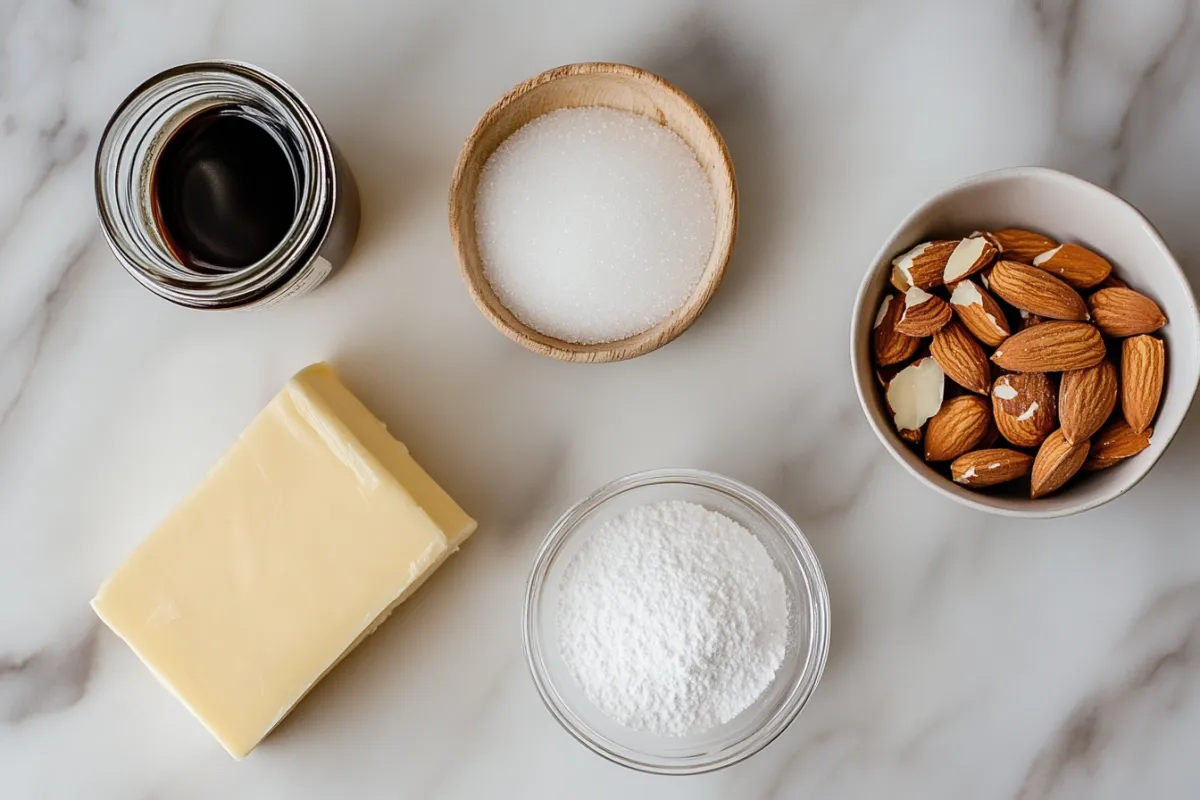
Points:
point(972, 657)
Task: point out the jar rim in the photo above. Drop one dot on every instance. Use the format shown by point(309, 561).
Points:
point(122, 155)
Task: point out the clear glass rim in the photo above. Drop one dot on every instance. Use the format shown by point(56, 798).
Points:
point(799, 692)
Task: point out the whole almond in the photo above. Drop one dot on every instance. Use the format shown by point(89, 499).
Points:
point(1076, 265)
point(959, 426)
point(1056, 462)
point(889, 345)
point(968, 257)
point(1142, 361)
point(981, 468)
point(1051, 347)
point(1086, 398)
point(924, 265)
point(923, 314)
point(980, 313)
point(1036, 291)
point(1024, 407)
point(961, 358)
point(1021, 245)
point(1114, 443)
point(1124, 312)
point(1112, 282)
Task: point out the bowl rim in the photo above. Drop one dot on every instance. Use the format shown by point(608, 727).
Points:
point(805, 682)
point(1134, 472)
point(640, 343)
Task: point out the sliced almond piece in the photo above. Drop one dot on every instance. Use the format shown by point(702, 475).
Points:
point(1024, 407)
point(985, 275)
point(924, 265)
point(884, 375)
point(915, 394)
point(1076, 265)
point(1036, 291)
point(1124, 312)
point(960, 425)
point(961, 357)
point(898, 281)
point(968, 257)
point(923, 313)
point(1142, 361)
point(1056, 462)
point(1086, 398)
point(1029, 320)
point(912, 436)
point(981, 468)
point(1114, 443)
point(1051, 347)
point(889, 345)
point(1021, 245)
point(980, 313)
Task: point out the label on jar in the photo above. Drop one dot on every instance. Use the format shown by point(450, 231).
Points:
point(312, 277)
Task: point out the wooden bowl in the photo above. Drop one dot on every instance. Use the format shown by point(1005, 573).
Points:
point(614, 86)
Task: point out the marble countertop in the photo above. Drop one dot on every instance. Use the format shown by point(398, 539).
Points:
point(972, 656)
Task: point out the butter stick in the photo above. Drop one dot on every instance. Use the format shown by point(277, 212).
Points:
point(306, 534)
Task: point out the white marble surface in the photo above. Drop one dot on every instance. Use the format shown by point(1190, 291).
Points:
point(973, 657)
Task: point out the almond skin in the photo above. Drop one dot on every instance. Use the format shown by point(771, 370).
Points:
point(1021, 245)
point(981, 468)
point(959, 426)
point(1124, 312)
point(1115, 443)
point(1056, 462)
point(1051, 347)
point(1036, 291)
point(1086, 398)
point(924, 265)
point(890, 346)
point(980, 313)
point(923, 313)
point(961, 358)
point(1024, 407)
point(1142, 362)
point(1074, 264)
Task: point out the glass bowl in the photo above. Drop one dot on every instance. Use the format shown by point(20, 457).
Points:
point(771, 713)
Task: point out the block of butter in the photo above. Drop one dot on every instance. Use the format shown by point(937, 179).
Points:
point(309, 531)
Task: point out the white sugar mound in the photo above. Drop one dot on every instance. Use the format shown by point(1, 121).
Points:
point(593, 224)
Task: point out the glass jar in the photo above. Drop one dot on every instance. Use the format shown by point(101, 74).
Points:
point(326, 214)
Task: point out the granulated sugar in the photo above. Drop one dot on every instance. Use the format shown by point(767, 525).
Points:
point(673, 618)
point(593, 224)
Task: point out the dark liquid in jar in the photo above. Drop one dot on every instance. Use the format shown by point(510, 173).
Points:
point(225, 190)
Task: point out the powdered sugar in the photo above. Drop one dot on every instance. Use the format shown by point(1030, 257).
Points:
point(673, 618)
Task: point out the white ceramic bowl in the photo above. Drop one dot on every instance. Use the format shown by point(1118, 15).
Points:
point(1068, 209)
